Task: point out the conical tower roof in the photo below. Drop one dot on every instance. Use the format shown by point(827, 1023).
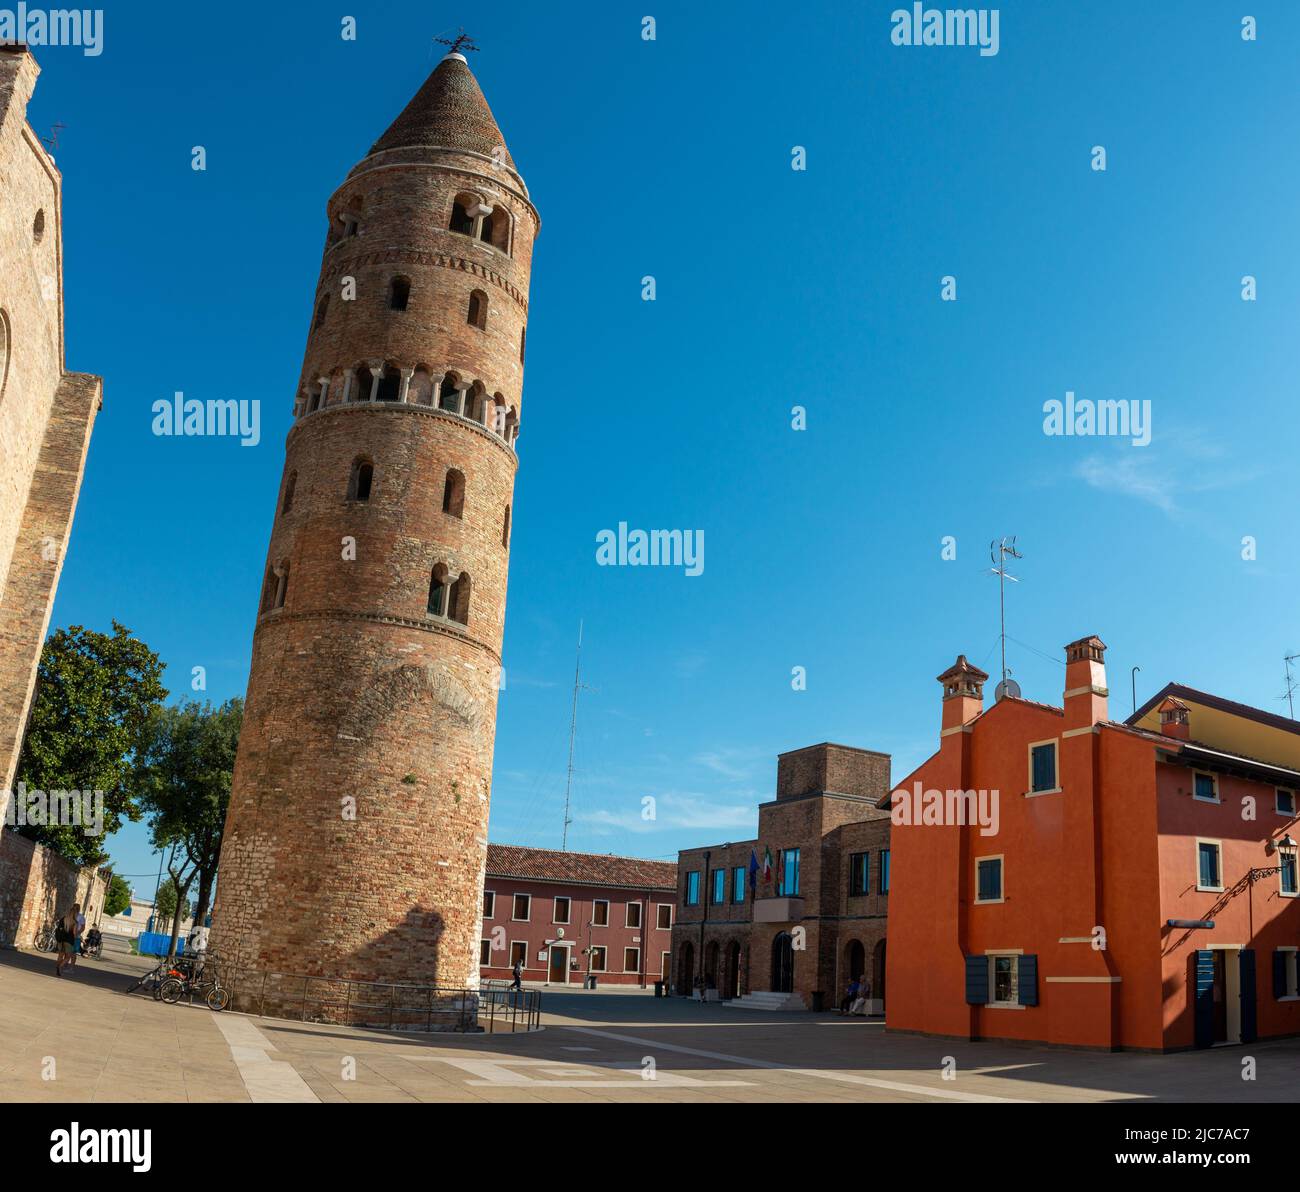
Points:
point(449, 111)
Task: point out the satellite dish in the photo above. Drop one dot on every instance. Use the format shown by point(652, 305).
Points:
point(1008, 687)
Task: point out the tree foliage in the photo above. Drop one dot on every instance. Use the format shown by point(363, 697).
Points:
point(95, 696)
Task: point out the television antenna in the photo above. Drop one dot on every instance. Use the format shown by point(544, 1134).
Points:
point(578, 685)
point(1000, 550)
point(1290, 683)
point(52, 141)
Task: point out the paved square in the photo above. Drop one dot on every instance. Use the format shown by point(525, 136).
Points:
point(82, 1038)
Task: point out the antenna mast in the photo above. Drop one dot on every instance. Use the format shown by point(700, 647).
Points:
point(999, 552)
point(1290, 683)
point(573, 729)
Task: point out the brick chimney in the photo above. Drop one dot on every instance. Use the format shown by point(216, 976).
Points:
point(1174, 719)
point(1085, 683)
point(963, 693)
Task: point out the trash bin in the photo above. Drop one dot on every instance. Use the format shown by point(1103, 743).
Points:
point(591, 981)
point(659, 989)
point(818, 1001)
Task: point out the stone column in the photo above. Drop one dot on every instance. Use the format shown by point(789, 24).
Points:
point(349, 376)
point(376, 375)
point(407, 374)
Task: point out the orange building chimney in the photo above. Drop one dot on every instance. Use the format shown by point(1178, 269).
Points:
point(963, 693)
point(1085, 683)
point(1174, 719)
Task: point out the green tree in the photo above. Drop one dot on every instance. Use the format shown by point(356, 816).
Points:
point(117, 897)
point(165, 904)
point(182, 775)
point(95, 693)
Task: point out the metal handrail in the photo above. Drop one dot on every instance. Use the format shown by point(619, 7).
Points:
point(520, 1008)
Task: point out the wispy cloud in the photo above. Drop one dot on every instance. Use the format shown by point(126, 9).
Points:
point(675, 810)
point(1178, 465)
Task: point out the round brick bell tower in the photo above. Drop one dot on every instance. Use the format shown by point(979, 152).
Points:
point(356, 838)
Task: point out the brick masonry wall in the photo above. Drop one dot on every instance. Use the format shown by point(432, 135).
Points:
point(540, 931)
point(356, 691)
point(46, 414)
point(826, 829)
point(37, 885)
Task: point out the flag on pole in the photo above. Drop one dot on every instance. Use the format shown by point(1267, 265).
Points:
point(780, 871)
point(753, 869)
point(767, 864)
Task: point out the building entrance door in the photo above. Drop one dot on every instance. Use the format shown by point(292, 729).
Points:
point(559, 970)
point(783, 963)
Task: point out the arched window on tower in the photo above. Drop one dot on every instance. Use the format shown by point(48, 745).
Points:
point(453, 493)
point(289, 486)
point(390, 385)
point(495, 229)
point(277, 586)
point(458, 600)
point(478, 307)
point(362, 384)
point(438, 591)
point(449, 393)
point(399, 293)
point(523, 339)
point(321, 307)
point(361, 480)
point(420, 390)
point(461, 220)
point(505, 529)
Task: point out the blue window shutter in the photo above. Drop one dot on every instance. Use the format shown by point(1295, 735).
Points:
point(1249, 1031)
point(977, 980)
point(1203, 985)
point(1279, 974)
point(1027, 981)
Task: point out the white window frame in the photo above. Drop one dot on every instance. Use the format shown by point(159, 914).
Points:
point(1000, 858)
point(510, 963)
point(1055, 743)
point(555, 910)
point(1292, 974)
point(1218, 844)
point(663, 906)
point(492, 895)
point(595, 902)
point(1214, 779)
point(1292, 853)
point(488, 962)
point(1014, 957)
point(604, 959)
point(636, 968)
point(514, 906)
point(1282, 790)
point(627, 916)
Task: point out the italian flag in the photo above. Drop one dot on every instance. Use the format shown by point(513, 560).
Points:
point(767, 864)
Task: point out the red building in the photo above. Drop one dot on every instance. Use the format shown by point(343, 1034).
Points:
point(1065, 878)
point(570, 916)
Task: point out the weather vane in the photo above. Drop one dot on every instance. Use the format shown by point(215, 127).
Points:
point(462, 41)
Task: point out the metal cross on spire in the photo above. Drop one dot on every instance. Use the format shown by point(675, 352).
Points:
point(462, 41)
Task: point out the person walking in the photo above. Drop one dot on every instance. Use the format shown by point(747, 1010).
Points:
point(518, 971)
point(65, 938)
point(76, 943)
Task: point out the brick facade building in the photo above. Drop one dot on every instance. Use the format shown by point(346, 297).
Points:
point(357, 832)
point(570, 916)
point(1137, 887)
point(46, 412)
point(37, 886)
point(818, 919)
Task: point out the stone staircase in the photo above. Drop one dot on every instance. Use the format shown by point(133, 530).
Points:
point(770, 1002)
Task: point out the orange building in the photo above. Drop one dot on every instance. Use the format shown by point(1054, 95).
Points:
point(1064, 878)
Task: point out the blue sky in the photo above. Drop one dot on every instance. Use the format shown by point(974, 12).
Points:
point(775, 287)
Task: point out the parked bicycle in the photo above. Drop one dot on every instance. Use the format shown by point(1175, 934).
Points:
point(45, 941)
point(195, 975)
point(152, 981)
